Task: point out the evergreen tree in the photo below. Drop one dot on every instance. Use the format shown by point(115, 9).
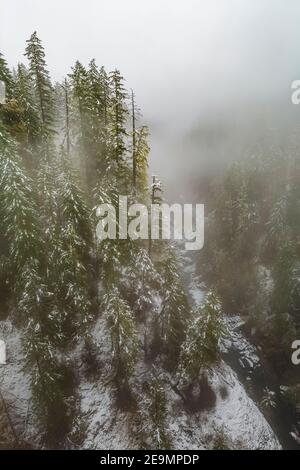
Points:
point(30, 115)
point(124, 340)
point(10, 110)
point(118, 119)
point(34, 306)
point(68, 280)
point(201, 346)
point(141, 158)
point(153, 415)
point(156, 198)
point(139, 152)
point(86, 127)
point(18, 206)
point(142, 281)
point(134, 162)
point(277, 225)
point(67, 123)
point(48, 255)
point(96, 92)
point(41, 79)
point(47, 187)
point(113, 254)
point(170, 322)
point(284, 279)
point(6, 77)
point(105, 138)
point(70, 253)
point(68, 234)
point(99, 98)
point(75, 214)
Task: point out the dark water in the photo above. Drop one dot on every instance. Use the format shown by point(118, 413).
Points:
point(281, 418)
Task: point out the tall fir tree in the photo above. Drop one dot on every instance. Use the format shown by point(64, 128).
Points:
point(119, 135)
point(124, 339)
point(153, 415)
point(171, 321)
point(18, 205)
point(202, 344)
point(30, 115)
point(42, 84)
point(6, 77)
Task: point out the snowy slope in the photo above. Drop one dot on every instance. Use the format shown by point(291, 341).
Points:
point(15, 388)
point(236, 415)
point(234, 412)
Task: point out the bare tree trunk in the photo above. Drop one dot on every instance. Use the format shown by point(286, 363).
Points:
point(133, 143)
point(152, 202)
point(67, 108)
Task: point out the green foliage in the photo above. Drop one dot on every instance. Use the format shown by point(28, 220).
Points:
point(141, 156)
point(41, 80)
point(41, 323)
point(113, 254)
point(153, 415)
point(171, 321)
point(24, 94)
point(283, 275)
point(68, 282)
point(74, 211)
point(251, 255)
point(6, 77)
point(118, 118)
point(124, 339)
point(17, 205)
point(52, 271)
point(221, 441)
point(89, 116)
point(142, 281)
point(201, 346)
point(46, 183)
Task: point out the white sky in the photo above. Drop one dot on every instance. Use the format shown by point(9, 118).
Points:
point(185, 59)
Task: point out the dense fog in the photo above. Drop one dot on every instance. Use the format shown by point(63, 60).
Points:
point(210, 77)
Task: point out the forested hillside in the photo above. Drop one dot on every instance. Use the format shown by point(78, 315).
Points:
point(123, 343)
point(252, 257)
point(65, 149)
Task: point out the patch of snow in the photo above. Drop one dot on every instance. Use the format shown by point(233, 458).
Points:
point(15, 386)
point(235, 414)
point(249, 358)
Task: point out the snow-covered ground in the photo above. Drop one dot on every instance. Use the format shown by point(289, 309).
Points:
point(233, 413)
point(15, 388)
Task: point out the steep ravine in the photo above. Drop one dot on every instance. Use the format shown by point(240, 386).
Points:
point(231, 412)
point(251, 370)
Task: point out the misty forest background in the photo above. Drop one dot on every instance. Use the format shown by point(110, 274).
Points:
point(65, 149)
